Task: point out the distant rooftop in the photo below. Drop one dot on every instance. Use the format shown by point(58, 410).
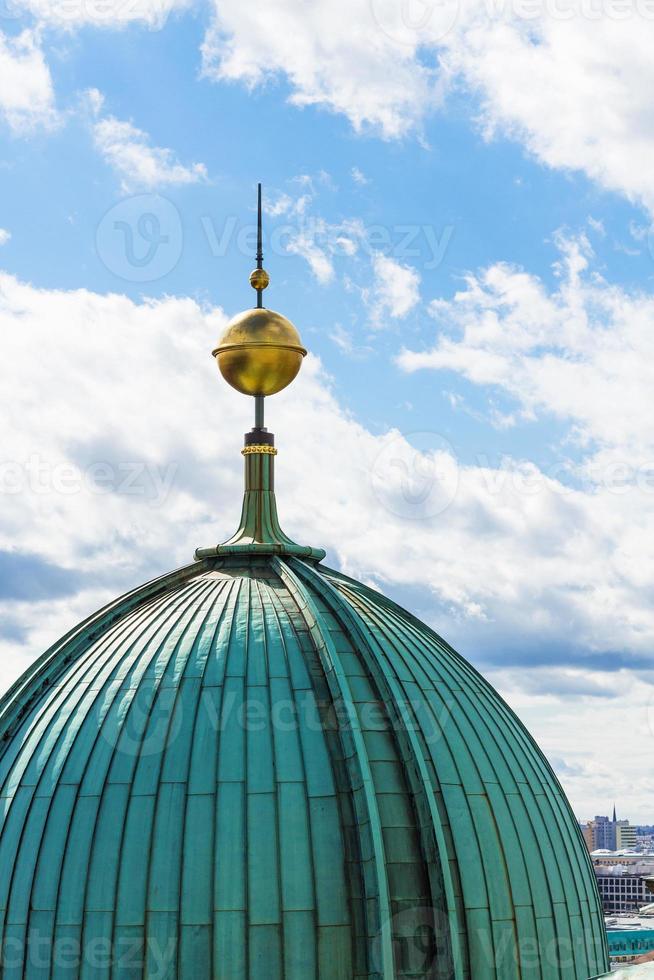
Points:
point(630, 923)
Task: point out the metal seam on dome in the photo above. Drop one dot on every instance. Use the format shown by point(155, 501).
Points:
point(220, 600)
point(255, 679)
point(78, 786)
point(47, 665)
point(522, 741)
point(121, 624)
point(164, 796)
point(375, 666)
point(309, 830)
point(327, 782)
point(375, 621)
point(67, 693)
point(160, 636)
point(307, 608)
point(469, 799)
point(225, 785)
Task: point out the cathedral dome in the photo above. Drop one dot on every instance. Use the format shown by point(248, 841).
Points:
point(256, 767)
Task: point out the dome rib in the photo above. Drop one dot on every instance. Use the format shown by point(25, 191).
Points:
point(477, 860)
point(47, 739)
point(534, 794)
point(15, 703)
point(73, 697)
point(413, 757)
point(336, 910)
point(355, 752)
point(102, 796)
point(300, 893)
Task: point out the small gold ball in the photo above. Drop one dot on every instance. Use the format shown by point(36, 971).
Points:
point(259, 279)
point(260, 352)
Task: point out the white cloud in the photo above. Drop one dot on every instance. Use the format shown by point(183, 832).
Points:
point(308, 235)
point(129, 151)
point(334, 55)
point(26, 92)
point(282, 203)
point(342, 338)
point(583, 352)
point(574, 82)
point(5, 236)
point(127, 472)
point(359, 177)
point(323, 243)
point(102, 13)
point(522, 547)
point(575, 86)
point(305, 245)
point(395, 289)
point(577, 90)
point(570, 730)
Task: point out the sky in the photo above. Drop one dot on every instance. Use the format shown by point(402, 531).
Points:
point(458, 218)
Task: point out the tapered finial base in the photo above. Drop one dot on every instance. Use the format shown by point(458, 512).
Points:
point(260, 532)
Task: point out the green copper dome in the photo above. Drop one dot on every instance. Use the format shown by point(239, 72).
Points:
point(257, 767)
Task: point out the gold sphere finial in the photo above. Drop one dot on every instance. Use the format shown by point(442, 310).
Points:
point(260, 352)
point(259, 279)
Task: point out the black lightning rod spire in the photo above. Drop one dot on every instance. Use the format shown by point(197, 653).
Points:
point(258, 401)
point(259, 245)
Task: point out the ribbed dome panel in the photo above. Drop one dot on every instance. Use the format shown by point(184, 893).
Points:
point(512, 843)
point(259, 768)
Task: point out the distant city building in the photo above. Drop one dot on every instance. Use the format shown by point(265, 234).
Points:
point(623, 892)
point(610, 834)
point(604, 836)
point(609, 859)
point(587, 834)
point(625, 836)
point(625, 881)
point(629, 937)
